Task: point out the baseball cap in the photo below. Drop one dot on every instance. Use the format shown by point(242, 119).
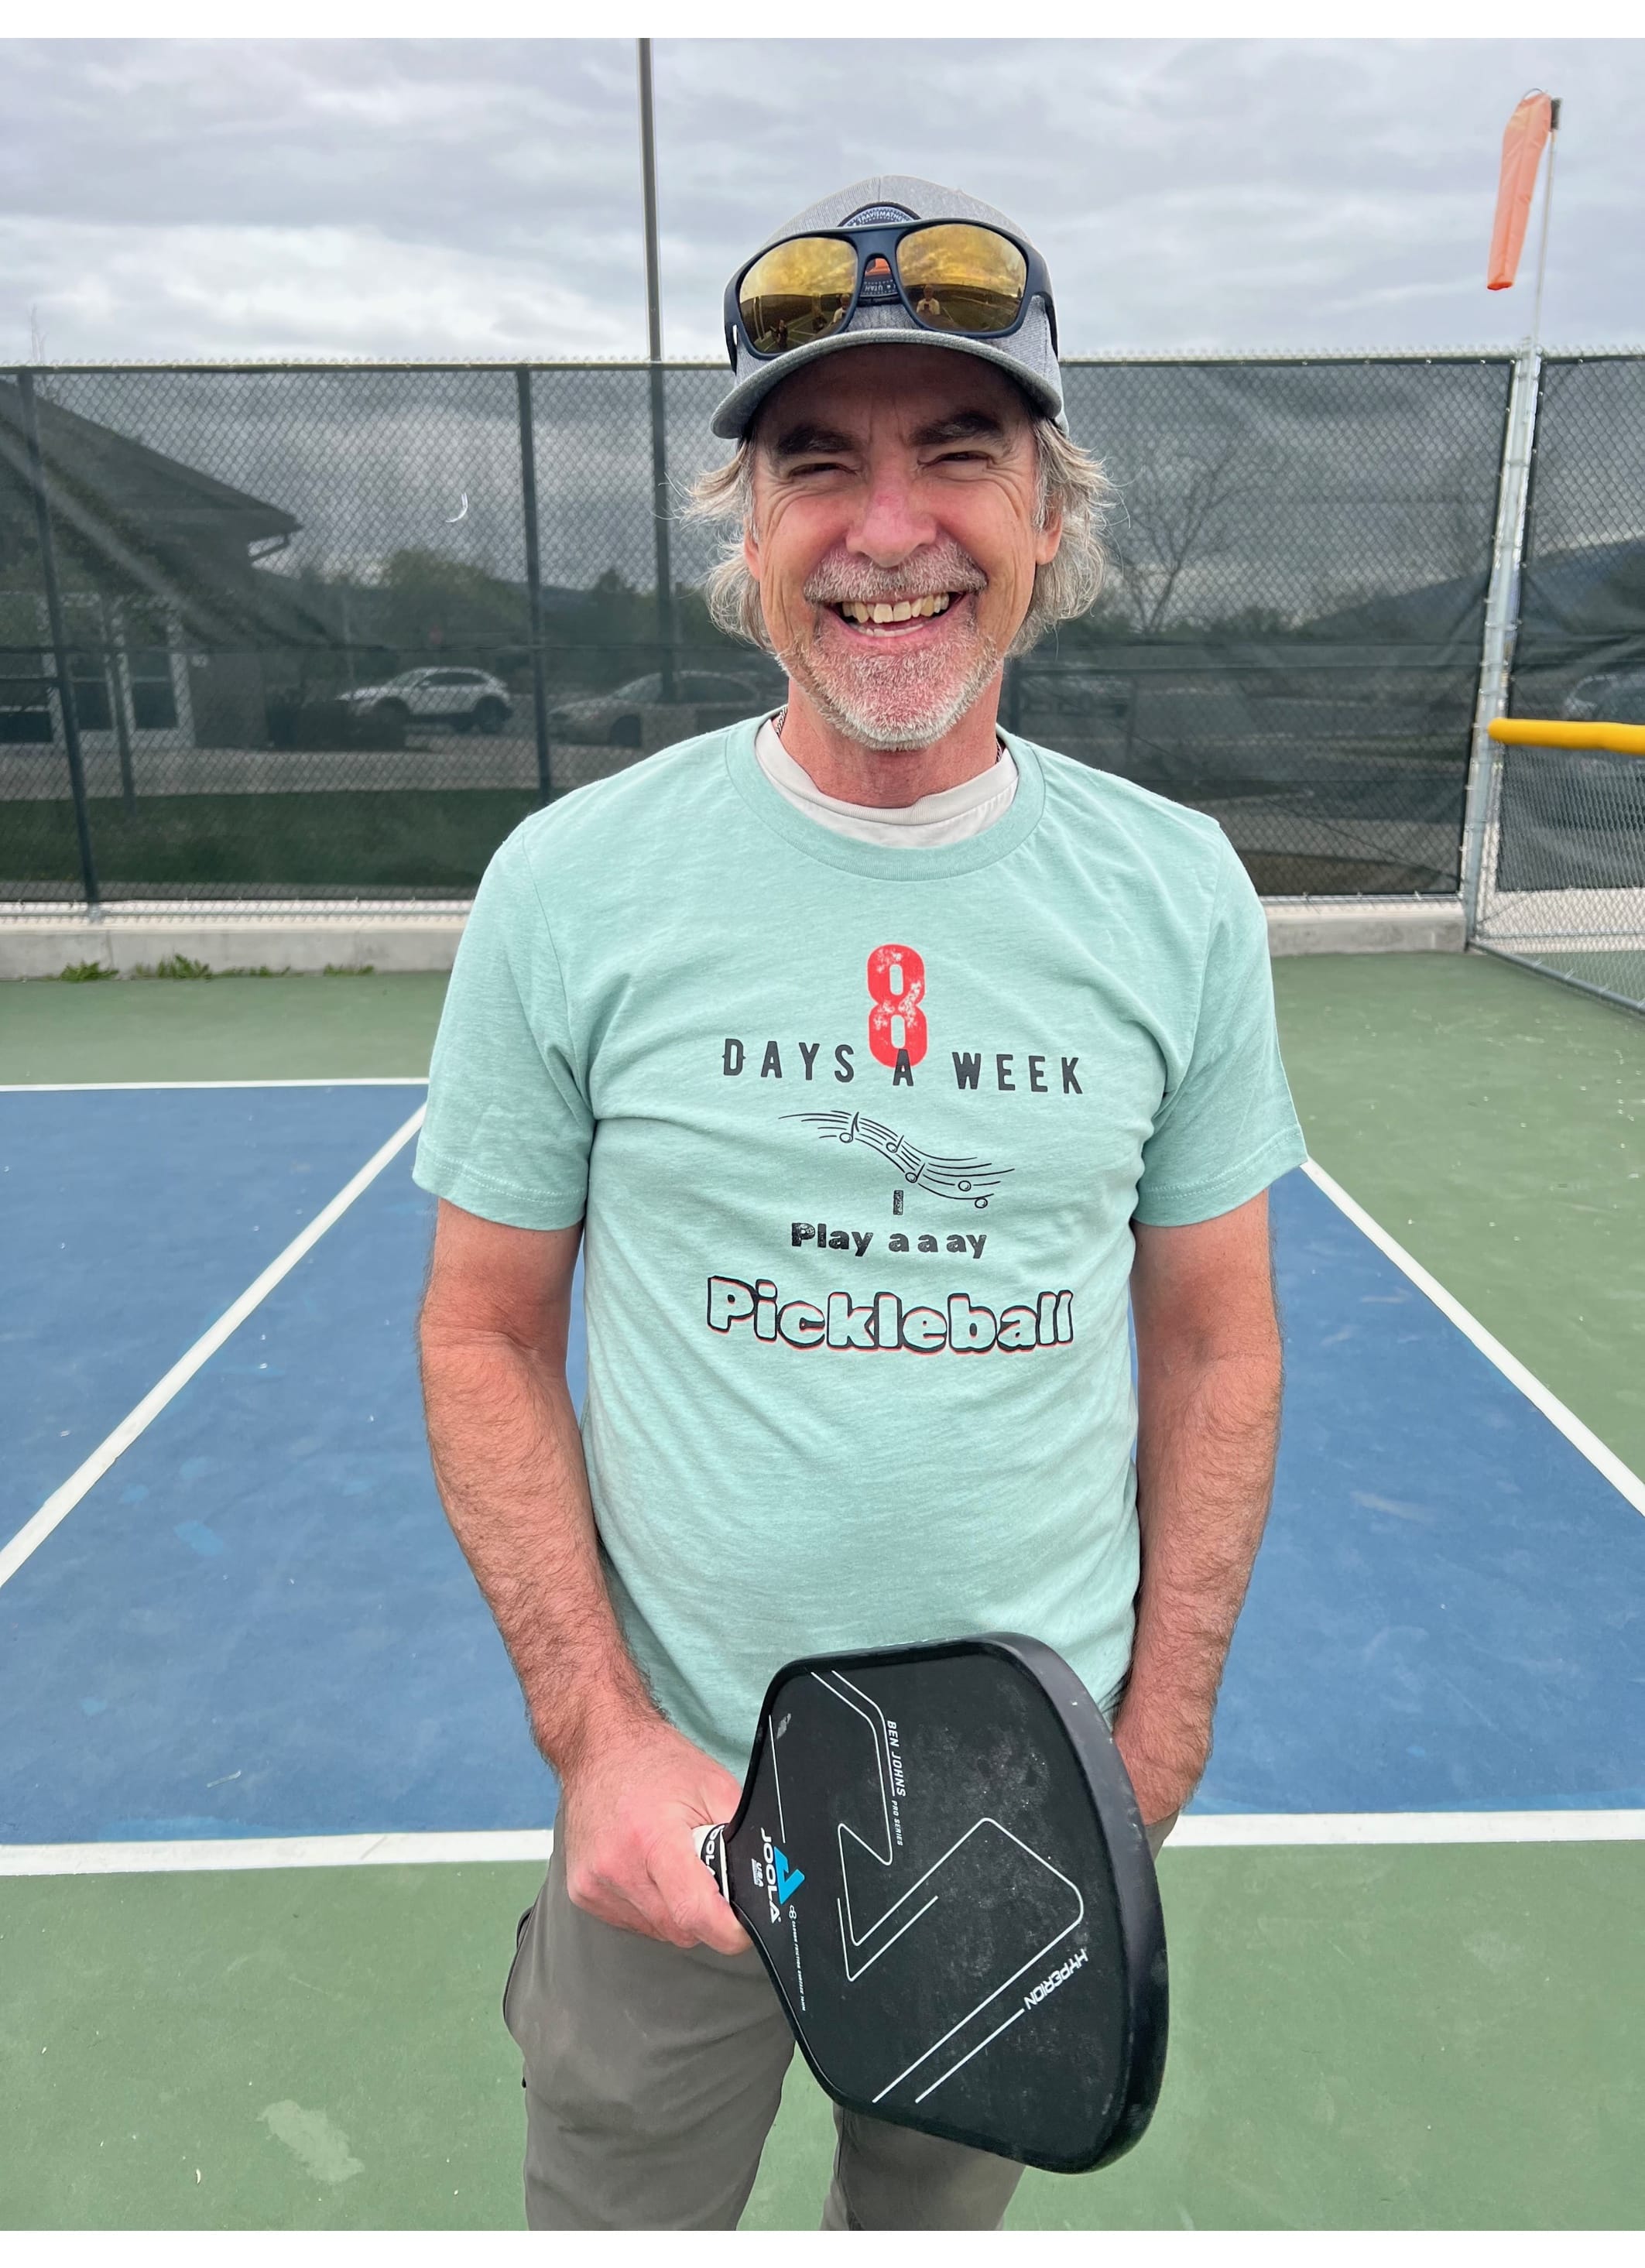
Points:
point(1027, 354)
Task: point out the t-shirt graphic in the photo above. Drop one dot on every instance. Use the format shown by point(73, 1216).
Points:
point(819, 1102)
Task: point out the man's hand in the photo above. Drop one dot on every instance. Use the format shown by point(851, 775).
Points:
point(628, 1807)
point(1165, 1763)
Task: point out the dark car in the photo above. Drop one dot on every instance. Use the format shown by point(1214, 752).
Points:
point(711, 697)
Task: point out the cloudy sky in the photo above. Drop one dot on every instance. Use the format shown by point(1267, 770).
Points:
point(182, 198)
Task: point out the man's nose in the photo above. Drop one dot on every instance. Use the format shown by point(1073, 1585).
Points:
point(893, 522)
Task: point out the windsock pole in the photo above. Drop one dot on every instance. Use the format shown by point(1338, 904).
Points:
point(1547, 207)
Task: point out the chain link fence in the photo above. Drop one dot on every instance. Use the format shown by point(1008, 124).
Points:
point(1291, 635)
point(1562, 880)
point(330, 631)
point(1565, 876)
point(306, 651)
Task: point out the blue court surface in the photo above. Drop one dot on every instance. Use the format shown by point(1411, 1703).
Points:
point(255, 1622)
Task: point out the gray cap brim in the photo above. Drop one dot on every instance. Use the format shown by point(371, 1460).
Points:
point(738, 410)
point(1027, 354)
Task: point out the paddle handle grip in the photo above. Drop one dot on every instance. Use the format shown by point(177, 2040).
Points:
point(711, 1849)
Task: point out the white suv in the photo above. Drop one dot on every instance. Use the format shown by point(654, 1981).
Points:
point(465, 699)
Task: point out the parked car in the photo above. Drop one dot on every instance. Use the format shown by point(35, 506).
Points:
point(464, 699)
point(1611, 696)
point(715, 698)
point(297, 720)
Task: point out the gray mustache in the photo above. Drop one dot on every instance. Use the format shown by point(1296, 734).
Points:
point(947, 569)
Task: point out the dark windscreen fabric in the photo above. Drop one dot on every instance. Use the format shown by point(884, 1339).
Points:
point(1574, 820)
point(1290, 636)
point(1580, 650)
point(262, 573)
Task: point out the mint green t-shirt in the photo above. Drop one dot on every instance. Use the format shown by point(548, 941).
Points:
point(858, 1135)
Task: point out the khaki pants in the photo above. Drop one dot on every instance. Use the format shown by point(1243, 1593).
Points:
point(652, 2076)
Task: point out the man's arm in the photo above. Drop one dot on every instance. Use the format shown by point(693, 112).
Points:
point(1209, 1383)
point(508, 1458)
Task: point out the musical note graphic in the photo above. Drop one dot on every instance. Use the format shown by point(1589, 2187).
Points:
point(972, 1181)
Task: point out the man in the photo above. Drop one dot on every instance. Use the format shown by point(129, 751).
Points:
point(875, 1059)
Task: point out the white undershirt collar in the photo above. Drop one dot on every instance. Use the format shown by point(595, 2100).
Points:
point(951, 815)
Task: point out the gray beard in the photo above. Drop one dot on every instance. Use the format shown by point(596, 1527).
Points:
point(889, 705)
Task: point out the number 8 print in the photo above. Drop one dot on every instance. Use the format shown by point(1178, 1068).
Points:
point(896, 1022)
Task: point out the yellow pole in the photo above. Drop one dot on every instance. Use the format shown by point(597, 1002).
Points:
point(1565, 732)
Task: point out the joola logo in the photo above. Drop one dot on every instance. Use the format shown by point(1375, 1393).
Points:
point(781, 1880)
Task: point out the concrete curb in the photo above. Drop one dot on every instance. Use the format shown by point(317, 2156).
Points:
point(1364, 925)
point(306, 939)
point(291, 940)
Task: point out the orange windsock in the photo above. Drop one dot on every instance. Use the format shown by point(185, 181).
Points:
point(1526, 132)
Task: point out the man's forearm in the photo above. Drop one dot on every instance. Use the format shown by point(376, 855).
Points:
point(508, 1458)
point(1207, 1433)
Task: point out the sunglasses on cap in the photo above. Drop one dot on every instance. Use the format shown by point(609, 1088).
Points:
point(951, 276)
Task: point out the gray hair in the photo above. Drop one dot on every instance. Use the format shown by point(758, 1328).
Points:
point(1071, 483)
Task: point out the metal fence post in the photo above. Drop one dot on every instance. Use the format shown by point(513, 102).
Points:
point(659, 401)
point(113, 677)
point(533, 575)
point(1502, 622)
point(59, 641)
point(660, 515)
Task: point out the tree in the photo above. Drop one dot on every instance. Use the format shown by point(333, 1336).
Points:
point(1176, 508)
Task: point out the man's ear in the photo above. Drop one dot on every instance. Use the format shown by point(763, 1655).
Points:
point(1049, 538)
point(751, 548)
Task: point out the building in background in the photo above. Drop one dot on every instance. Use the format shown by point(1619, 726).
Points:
point(166, 615)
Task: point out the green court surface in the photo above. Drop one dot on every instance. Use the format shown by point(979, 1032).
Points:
point(1440, 2036)
point(219, 1028)
point(1361, 2038)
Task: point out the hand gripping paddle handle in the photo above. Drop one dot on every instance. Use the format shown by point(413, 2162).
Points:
point(711, 1849)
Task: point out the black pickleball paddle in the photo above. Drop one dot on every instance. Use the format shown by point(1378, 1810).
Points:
point(940, 1859)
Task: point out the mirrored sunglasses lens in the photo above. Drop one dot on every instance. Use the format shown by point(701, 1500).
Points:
point(796, 293)
point(960, 278)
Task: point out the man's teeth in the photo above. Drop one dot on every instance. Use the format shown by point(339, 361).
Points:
point(900, 610)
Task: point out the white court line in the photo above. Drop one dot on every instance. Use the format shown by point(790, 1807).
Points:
point(184, 1085)
point(63, 1500)
point(1212, 1831)
point(1626, 1482)
point(1287, 1829)
point(235, 1855)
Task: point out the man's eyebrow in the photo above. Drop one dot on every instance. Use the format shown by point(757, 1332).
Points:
point(809, 441)
point(964, 425)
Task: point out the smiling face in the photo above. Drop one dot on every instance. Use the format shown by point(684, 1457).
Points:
point(896, 536)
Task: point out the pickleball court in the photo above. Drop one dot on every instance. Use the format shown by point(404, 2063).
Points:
point(266, 1798)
